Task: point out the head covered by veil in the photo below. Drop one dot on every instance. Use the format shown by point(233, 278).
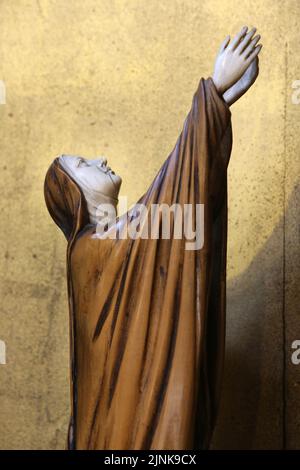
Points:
point(65, 200)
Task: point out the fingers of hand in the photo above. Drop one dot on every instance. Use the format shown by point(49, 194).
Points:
point(251, 46)
point(255, 52)
point(224, 43)
point(245, 41)
point(238, 37)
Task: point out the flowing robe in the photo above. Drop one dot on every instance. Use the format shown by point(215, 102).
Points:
point(147, 316)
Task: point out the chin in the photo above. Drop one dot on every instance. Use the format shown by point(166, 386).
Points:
point(117, 179)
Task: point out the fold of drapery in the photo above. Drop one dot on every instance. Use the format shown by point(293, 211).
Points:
point(147, 316)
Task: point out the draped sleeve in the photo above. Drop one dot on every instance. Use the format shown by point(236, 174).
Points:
point(195, 169)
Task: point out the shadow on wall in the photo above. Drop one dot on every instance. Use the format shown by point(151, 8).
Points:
point(252, 411)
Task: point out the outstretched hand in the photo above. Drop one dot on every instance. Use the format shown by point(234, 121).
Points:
point(235, 58)
point(243, 84)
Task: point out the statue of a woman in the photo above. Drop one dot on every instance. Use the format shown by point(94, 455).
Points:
point(147, 315)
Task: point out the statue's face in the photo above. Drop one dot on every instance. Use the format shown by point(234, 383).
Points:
point(93, 174)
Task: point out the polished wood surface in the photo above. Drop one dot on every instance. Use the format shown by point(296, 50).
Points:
point(147, 316)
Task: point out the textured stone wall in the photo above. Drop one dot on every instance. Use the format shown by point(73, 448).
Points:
point(117, 78)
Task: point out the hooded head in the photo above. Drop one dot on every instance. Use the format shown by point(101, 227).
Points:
point(65, 200)
point(80, 191)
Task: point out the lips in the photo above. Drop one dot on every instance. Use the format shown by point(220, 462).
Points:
point(107, 169)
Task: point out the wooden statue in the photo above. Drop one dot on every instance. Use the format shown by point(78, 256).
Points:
point(147, 315)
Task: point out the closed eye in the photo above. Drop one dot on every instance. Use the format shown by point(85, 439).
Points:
point(82, 160)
